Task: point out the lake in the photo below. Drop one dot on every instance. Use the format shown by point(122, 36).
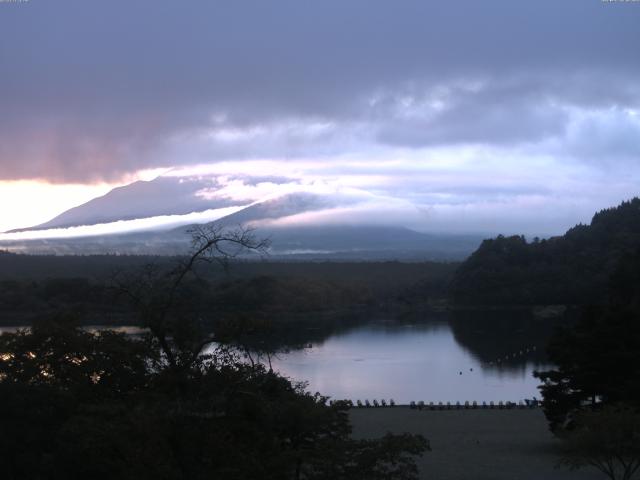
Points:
point(424, 361)
point(466, 357)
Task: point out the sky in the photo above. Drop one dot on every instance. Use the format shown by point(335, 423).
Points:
point(493, 116)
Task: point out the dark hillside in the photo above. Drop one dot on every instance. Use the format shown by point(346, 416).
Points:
point(570, 269)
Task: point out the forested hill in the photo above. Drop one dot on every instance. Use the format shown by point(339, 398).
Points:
point(570, 269)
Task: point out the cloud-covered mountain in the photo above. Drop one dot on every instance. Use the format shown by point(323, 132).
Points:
point(286, 206)
point(142, 199)
point(300, 224)
point(180, 196)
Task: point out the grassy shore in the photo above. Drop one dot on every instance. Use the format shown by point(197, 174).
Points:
point(475, 444)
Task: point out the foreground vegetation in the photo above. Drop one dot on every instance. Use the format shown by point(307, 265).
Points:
point(179, 402)
point(592, 396)
point(84, 405)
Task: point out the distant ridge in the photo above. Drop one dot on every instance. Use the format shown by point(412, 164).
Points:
point(318, 242)
point(570, 269)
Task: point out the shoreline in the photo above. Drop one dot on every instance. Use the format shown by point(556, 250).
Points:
point(474, 444)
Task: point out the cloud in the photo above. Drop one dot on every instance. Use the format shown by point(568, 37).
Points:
point(91, 92)
point(606, 137)
point(488, 114)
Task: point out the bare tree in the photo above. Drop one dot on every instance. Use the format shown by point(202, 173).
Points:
point(158, 296)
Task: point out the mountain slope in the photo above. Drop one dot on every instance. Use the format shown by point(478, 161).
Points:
point(143, 199)
point(340, 240)
point(279, 207)
point(570, 269)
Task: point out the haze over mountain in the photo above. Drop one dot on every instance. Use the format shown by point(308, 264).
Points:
point(327, 242)
point(301, 224)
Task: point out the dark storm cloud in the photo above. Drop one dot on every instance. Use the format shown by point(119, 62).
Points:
point(91, 90)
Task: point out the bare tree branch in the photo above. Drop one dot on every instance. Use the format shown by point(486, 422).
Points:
point(153, 292)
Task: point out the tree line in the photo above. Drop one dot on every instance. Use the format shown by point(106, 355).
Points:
point(572, 269)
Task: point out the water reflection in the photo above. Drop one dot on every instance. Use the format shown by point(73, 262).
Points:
point(432, 361)
point(503, 340)
point(481, 356)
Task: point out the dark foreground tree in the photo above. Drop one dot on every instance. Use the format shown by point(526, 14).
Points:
point(75, 404)
point(597, 361)
point(592, 397)
point(598, 358)
point(102, 405)
point(607, 439)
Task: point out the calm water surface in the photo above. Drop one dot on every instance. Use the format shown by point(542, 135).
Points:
point(412, 362)
point(431, 361)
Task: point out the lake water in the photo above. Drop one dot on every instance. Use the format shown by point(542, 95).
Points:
point(416, 362)
point(487, 358)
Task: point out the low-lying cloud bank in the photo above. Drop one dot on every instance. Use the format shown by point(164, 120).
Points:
point(468, 199)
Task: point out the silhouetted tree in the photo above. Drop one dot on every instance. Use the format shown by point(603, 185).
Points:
point(608, 440)
point(92, 405)
point(598, 359)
